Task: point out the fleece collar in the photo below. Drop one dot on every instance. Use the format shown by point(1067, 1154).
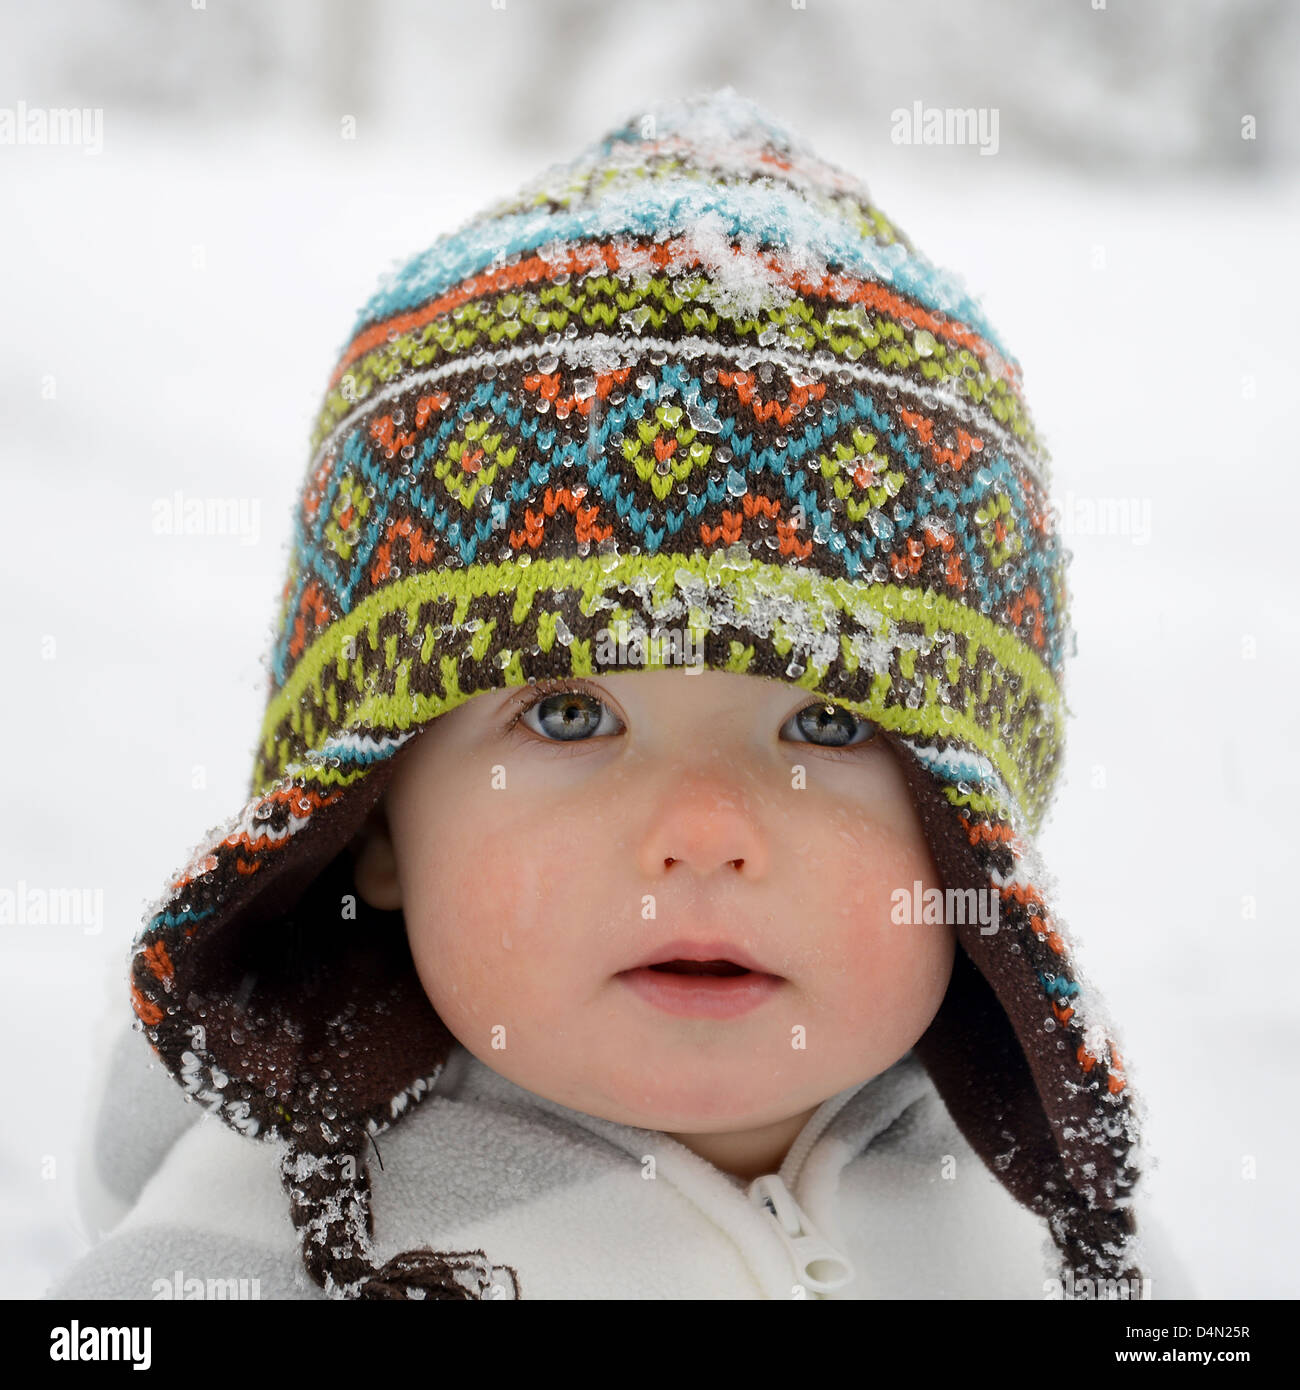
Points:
point(756, 1216)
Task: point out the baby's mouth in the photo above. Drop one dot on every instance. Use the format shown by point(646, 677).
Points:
point(719, 958)
point(706, 986)
point(700, 967)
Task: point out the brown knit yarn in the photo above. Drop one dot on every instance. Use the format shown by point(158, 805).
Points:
point(324, 1155)
point(329, 1197)
point(982, 1070)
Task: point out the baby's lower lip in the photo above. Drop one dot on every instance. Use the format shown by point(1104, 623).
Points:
point(702, 996)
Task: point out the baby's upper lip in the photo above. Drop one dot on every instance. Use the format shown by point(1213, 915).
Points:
point(700, 950)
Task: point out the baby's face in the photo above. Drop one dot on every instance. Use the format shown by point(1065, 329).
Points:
point(537, 867)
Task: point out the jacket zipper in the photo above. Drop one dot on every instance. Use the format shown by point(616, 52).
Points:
point(805, 1244)
point(818, 1266)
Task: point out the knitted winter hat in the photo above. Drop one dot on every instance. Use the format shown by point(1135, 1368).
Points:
point(694, 378)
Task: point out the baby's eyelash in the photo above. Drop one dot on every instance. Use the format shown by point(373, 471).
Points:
point(554, 685)
point(847, 752)
point(838, 752)
point(539, 690)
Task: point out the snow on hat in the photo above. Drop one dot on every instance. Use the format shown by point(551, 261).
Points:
point(693, 379)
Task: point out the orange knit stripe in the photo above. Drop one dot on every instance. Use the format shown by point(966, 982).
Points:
point(145, 1011)
point(257, 841)
point(158, 961)
point(585, 528)
point(582, 258)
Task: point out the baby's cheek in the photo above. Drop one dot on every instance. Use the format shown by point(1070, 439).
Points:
point(455, 921)
point(484, 933)
point(894, 979)
point(854, 873)
point(898, 969)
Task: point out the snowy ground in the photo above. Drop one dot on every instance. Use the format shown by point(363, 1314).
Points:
point(171, 312)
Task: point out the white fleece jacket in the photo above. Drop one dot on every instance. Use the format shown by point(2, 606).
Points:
point(879, 1197)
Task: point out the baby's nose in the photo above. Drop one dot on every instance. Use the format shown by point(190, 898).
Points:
point(701, 828)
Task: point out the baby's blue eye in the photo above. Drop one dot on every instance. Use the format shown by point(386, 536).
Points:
point(576, 715)
point(566, 716)
point(832, 727)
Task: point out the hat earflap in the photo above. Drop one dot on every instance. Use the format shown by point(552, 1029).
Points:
point(1030, 1074)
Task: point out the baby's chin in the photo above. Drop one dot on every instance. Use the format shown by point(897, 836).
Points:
point(673, 1089)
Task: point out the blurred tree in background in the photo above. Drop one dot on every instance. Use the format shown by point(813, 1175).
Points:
point(1135, 85)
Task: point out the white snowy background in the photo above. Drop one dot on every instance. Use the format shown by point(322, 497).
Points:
point(172, 307)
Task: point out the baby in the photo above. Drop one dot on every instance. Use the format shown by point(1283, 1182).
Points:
point(644, 826)
point(637, 896)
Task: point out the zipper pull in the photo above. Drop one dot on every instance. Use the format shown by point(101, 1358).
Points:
point(817, 1264)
